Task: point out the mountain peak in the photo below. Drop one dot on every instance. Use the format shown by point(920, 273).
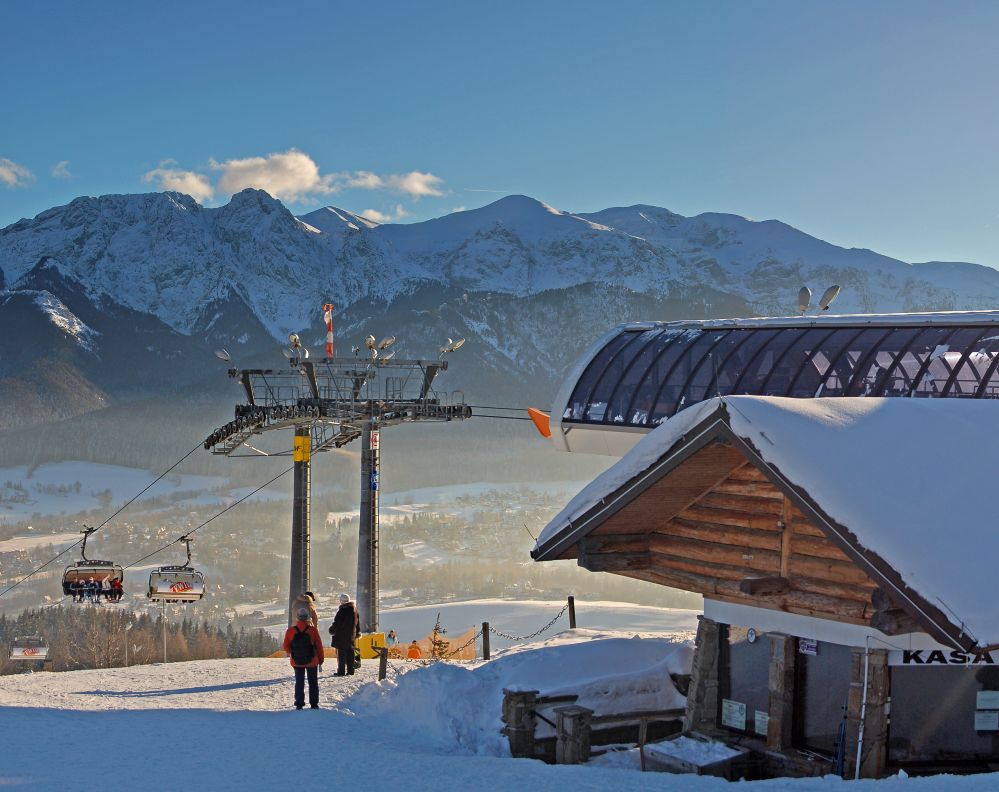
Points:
point(333, 220)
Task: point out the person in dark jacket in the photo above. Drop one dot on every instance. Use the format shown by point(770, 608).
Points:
point(310, 667)
point(345, 629)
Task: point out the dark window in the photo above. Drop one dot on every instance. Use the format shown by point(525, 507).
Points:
point(669, 399)
point(869, 375)
point(613, 374)
point(732, 369)
point(625, 398)
point(785, 370)
point(758, 369)
point(703, 382)
point(745, 681)
point(973, 366)
point(661, 368)
point(822, 686)
point(580, 399)
point(933, 714)
point(941, 361)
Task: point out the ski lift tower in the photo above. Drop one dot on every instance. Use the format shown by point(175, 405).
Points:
point(327, 403)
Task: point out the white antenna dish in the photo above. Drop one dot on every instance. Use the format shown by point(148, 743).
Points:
point(305, 353)
point(387, 356)
point(828, 296)
point(223, 354)
point(288, 353)
point(385, 343)
point(369, 342)
point(294, 341)
point(458, 344)
point(804, 298)
point(447, 347)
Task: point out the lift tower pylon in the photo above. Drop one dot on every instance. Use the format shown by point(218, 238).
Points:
point(329, 403)
point(301, 510)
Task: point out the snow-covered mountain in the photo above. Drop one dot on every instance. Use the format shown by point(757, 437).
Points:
point(528, 284)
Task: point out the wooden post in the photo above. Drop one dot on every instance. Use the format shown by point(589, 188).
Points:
point(382, 662)
point(572, 734)
point(485, 640)
point(572, 612)
point(702, 694)
point(520, 720)
point(783, 657)
point(874, 751)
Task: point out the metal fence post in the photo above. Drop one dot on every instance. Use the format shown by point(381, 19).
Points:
point(572, 612)
point(485, 640)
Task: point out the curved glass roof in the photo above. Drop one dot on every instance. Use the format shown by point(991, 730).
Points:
point(646, 373)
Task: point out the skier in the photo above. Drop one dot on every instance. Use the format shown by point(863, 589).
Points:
point(345, 630)
point(305, 648)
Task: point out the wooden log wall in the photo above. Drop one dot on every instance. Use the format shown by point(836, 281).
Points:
point(740, 529)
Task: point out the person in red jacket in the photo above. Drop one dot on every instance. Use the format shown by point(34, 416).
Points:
point(305, 648)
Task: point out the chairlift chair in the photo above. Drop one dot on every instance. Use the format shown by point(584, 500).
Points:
point(82, 571)
point(29, 648)
point(177, 583)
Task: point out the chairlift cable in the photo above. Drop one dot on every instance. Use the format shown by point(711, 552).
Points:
point(502, 417)
point(219, 514)
point(80, 541)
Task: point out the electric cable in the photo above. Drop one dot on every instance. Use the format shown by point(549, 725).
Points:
point(119, 511)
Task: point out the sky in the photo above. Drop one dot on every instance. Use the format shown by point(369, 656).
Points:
point(866, 124)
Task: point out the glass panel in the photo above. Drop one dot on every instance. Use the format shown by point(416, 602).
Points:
point(732, 368)
point(745, 679)
point(870, 374)
point(840, 371)
point(970, 371)
point(758, 369)
point(668, 400)
point(933, 714)
point(647, 391)
point(942, 360)
point(627, 387)
point(823, 684)
point(612, 374)
point(786, 367)
point(702, 379)
point(900, 379)
point(580, 398)
point(810, 380)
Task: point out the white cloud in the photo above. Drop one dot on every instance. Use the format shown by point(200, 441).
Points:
point(61, 170)
point(14, 175)
point(386, 217)
point(291, 176)
point(188, 182)
point(415, 183)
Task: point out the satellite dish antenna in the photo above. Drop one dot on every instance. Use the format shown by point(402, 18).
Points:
point(458, 344)
point(387, 356)
point(804, 298)
point(369, 342)
point(223, 354)
point(305, 353)
point(385, 343)
point(828, 296)
point(288, 353)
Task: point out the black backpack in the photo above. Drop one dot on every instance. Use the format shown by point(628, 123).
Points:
point(302, 650)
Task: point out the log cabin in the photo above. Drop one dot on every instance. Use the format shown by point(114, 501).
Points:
point(843, 548)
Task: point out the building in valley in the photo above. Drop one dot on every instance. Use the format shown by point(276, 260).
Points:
point(843, 546)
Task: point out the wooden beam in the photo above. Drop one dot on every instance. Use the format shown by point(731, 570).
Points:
point(698, 513)
point(785, 537)
point(827, 569)
point(614, 543)
point(749, 558)
point(756, 586)
point(745, 504)
point(613, 562)
point(723, 534)
point(756, 489)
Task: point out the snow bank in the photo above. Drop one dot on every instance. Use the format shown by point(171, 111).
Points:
point(451, 706)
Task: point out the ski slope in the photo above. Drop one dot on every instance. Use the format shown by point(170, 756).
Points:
point(229, 725)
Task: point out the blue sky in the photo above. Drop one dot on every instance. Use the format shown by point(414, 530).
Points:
point(866, 124)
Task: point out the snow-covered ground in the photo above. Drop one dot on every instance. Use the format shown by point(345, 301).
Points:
point(229, 725)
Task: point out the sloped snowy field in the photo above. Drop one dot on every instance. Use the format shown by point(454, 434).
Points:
point(228, 725)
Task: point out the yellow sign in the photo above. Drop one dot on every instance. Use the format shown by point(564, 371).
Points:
point(303, 448)
point(367, 643)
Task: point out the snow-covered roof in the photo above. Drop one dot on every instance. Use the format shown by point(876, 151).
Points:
point(910, 479)
point(832, 320)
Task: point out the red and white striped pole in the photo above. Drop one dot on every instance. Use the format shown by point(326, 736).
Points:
point(328, 318)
